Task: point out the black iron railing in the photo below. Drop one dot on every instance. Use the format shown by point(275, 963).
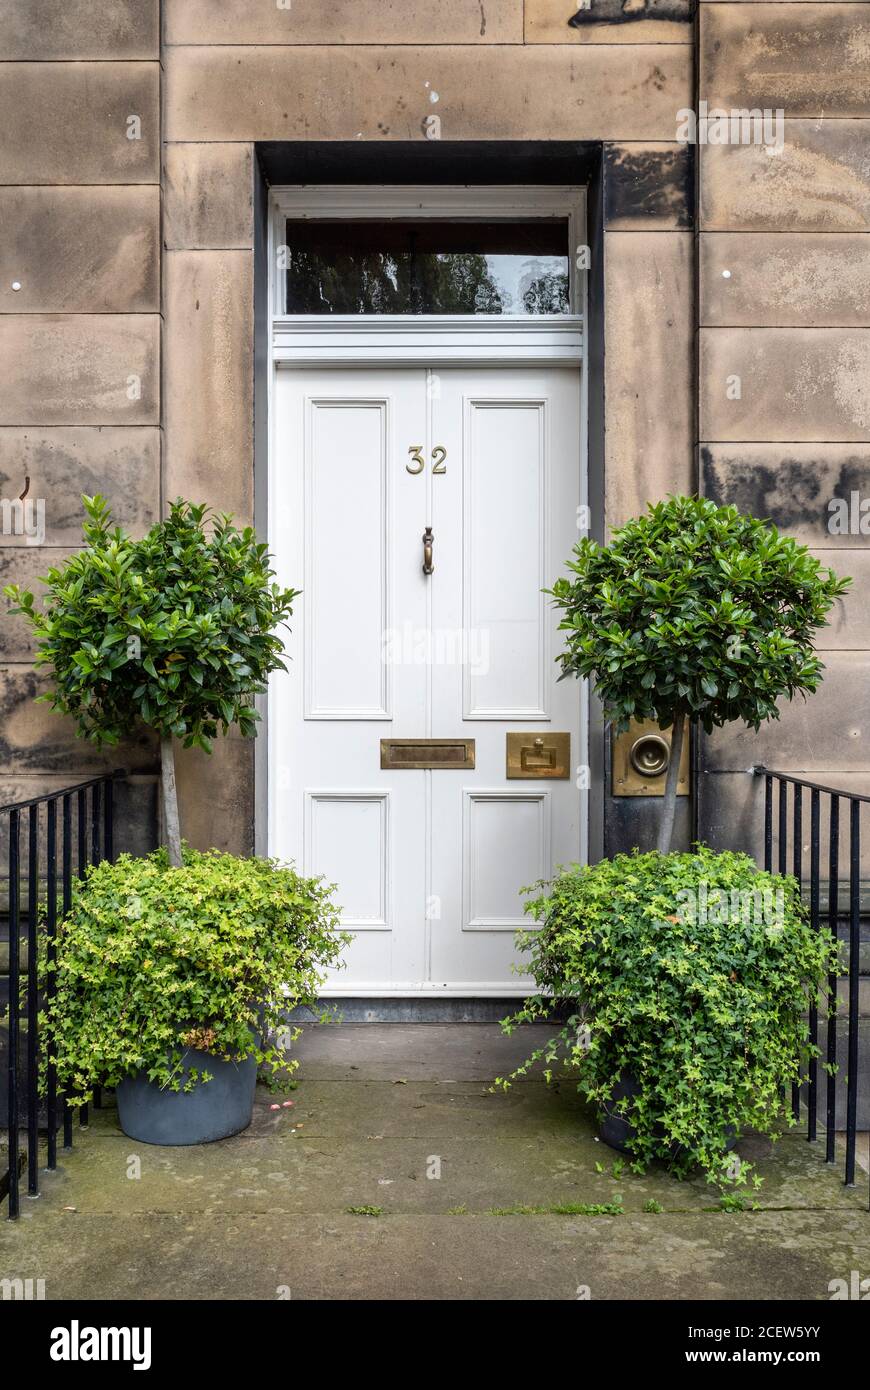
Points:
point(48, 841)
point(835, 903)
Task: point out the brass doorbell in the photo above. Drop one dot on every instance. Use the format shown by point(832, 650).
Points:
point(641, 757)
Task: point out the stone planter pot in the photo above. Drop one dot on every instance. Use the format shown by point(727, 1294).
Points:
point(213, 1110)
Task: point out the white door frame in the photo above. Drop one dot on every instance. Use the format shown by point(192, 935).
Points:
point(297, 342)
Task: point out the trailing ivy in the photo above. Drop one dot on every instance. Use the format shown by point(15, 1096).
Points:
point(692, 975)
point(151, 961)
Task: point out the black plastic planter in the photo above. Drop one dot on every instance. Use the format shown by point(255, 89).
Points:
point(618, 1132)
point(212, 1110)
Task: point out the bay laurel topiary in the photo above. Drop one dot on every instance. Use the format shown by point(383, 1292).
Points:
point(692, 975)
point(694, 612)
point(151, 961)
point(177, 631)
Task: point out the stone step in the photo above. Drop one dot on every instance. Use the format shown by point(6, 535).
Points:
point(841, 1077)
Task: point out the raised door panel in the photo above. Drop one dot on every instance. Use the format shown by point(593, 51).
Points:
point(505, 561)
point(346, 593)
point(505, 520)
point(347, 522)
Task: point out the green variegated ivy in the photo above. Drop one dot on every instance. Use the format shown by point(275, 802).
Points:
point(692, 975)
point(152, 960)
point(694, 612)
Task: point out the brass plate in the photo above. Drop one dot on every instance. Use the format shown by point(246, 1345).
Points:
point(443, 753)
point(628, 777)
point(537, 756)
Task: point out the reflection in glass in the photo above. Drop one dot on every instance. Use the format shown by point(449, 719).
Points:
point(427, 267)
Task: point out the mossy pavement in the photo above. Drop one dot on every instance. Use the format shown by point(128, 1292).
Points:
point(399, 1120)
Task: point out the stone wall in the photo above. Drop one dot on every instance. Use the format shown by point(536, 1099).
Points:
point(80, 335)
point(116, 288)
point(791, 319)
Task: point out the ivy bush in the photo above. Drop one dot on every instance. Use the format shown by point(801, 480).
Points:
point(689, 973)
point(151, 961)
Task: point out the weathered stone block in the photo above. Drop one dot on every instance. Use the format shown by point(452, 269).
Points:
point(799, 487)
point(788, 279)
point(32, 29)
point(344, 22)
point(62, 464)
point(80, 250)
point(216, 795)
point(849, 620)
point(648, 330)
point(731, 817)
point(35, 739)
point(71, 123)
point(491, 92)
point(23, 566)
point(134, 819)
point(648, 187)
point(818, 183)
point(785, 384)
point(805, 489)
point(80, 369)
point(208, 342)
point(828, 731)
point(208, 196)
point(609, 21)
point(804, 58)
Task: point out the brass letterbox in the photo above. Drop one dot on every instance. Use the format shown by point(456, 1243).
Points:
point(427, 752)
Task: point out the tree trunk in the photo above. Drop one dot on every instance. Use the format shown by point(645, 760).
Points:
point(171, 822)
point(669, 800)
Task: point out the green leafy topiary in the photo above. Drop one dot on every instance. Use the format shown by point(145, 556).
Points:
point(694, 612)
point(176, 630)
point(150, 961)
point(691, 975)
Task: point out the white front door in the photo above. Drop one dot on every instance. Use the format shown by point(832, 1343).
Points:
point(429, 862)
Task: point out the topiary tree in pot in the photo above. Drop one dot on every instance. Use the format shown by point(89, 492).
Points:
point(694, 612)
point(176, 630)
point(176, 969)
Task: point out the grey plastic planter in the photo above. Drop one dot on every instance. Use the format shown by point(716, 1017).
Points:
point(213, 1110)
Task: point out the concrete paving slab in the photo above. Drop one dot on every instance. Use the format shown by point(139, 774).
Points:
point(409, 1129)
point(751, 1256)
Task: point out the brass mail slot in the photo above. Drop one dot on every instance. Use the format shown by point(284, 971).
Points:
point(427, 752)
point(538, 755)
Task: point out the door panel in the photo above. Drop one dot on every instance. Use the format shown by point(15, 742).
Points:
point(347, 526)
point(505, 519)
point(429, 862)
point(348, 494)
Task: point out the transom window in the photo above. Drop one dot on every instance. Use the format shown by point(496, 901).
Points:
point(349, 253)
point(517, 267)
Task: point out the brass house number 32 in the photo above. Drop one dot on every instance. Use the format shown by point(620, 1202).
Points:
point(418, 463)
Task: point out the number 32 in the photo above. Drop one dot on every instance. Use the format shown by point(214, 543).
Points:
point(439, 454)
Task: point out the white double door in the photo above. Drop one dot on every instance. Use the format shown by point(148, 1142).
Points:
point(428, 862)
